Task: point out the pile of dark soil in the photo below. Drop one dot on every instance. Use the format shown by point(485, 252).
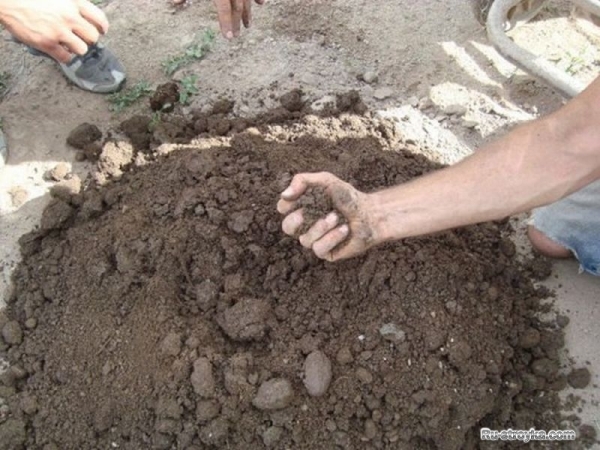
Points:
point(166, 310)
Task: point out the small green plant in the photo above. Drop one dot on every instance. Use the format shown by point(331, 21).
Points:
point(575, 63)
point(126, 98)
point(156, 119)
point(188, 89)
point(193, 52)
point(572, 63)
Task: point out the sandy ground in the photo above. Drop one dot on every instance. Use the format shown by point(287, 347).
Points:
point(429, 53)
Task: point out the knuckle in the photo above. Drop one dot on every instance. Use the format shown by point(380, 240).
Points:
point(46, 44)
point(72, 19)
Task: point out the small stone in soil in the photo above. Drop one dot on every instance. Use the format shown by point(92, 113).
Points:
point(202, 378)
point(579, 378)
point(344, 356)
point(391, 332)
point(364, 376)
point(29, 405)
point(171, 345)
point(246, 320)
point(383, 93)
point(207, 294)
point(276, 393)
point(272, 436)
point(370, 77)
point(12, 333)
point(370, 429)
point(317, 373)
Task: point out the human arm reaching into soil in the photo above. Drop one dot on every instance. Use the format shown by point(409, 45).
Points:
point(59, 28)
point(536, 164)
point(232, 13)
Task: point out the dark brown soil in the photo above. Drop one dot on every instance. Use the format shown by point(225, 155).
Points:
point(315, 204)
point(166, 310)
point(223, 106)
point(292, 101)
point(579, 378)
point(165, 97)
point(84, 135)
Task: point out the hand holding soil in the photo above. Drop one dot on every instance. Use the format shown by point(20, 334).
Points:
point(331, 237)
point(232, 13)
point(59, 28)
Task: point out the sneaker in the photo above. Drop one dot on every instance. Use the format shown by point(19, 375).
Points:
point(3, 150)
point(97, 71)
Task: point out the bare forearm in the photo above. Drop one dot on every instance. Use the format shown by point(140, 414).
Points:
point(536, 164)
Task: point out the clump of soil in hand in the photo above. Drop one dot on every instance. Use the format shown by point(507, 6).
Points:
point(165, 97)
point(166, 309)
point(316, 204)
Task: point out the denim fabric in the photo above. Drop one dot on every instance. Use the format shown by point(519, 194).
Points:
point(574, 222)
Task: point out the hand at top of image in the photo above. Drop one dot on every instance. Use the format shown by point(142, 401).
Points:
point(59, 28)
point(232, 13)
point(348, 229)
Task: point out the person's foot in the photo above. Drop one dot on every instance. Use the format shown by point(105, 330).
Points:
point(546, 246)
point(97, 71)
point(3, 150)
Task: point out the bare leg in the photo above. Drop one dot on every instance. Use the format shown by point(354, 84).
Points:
point(546, 246)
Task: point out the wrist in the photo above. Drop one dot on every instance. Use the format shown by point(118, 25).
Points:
point(378, 213)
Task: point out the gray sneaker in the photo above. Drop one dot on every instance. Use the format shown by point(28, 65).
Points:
point(97, 71)
point(3, 150)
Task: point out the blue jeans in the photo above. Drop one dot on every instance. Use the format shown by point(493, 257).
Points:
point(574, 223)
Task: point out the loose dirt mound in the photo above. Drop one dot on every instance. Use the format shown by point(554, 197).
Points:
point(166, 310)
